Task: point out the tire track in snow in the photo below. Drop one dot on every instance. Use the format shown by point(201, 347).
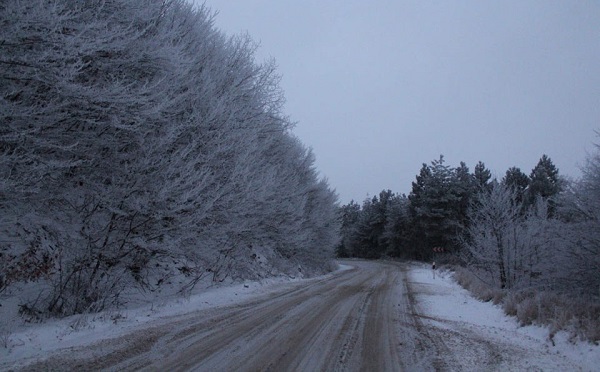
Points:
point(350, 321)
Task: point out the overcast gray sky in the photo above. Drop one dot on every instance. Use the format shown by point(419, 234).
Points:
point(379, 87)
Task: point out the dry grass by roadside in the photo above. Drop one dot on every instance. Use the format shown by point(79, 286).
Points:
point(559, 312)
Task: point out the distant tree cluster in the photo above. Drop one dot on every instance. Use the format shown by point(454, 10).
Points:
point(410, 227)
point(436, 212)
point(524, 231)
point(137, 139)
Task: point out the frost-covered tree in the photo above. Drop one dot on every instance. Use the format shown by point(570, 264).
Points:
point(578, 232)
point(82, 93)
point(507, 249)
point(135, 134)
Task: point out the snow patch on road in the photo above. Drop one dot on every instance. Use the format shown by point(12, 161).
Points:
point(445, 304)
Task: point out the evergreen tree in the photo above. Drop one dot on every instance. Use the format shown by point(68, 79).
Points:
point(463, 176)
point(435, 205)
point(482, 177)
point(348, 216)
point(517, 181)
point(370, 231)
point(364, 240)
point(397, 228)
point(372, 226)
point(544, 182)
point(466, 186)
point(418, 187)
point(544, 179)
point(417, 200)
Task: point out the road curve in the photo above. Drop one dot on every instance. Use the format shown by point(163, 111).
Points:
point(361, 319)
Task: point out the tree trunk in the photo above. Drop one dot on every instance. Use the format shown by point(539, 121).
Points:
point(501, 267)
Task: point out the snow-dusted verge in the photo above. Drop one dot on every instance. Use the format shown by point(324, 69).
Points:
point(444, 304)
point(22, 343)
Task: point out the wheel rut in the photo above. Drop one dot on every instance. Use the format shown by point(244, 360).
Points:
point(358, 319)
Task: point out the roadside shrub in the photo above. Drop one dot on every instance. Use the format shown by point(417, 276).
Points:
point(477, 287)
point(590, 325)
point(528, 311)
point(585, 320)
point(559, 312)
point(513, 300)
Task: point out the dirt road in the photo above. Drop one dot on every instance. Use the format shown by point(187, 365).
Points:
point(361, 319)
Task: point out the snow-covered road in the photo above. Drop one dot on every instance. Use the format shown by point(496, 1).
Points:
point(375, 316)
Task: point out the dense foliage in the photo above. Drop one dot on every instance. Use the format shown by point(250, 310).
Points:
point(433, 215)
point(522, 232)
point(138, 142)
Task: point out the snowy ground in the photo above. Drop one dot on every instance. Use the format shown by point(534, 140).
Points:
point(447, 312)
point(21, 344)
point(445, 305)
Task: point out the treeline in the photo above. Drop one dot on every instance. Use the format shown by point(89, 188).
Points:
point(523, 231)
point(138, 142)
point(435, 213)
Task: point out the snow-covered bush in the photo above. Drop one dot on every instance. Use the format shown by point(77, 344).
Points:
point(477, 287)
point(558, 311)
point(505, 246)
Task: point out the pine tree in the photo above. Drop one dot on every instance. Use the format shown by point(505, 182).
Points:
point(517, 181)
point(544, 179)
point(397, 228)
point(544, 183)
point(466, 186)
point(482, 177)
point(435, 207)
point(348, 216)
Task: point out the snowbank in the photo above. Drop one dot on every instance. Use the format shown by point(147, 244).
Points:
point(445, 304)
